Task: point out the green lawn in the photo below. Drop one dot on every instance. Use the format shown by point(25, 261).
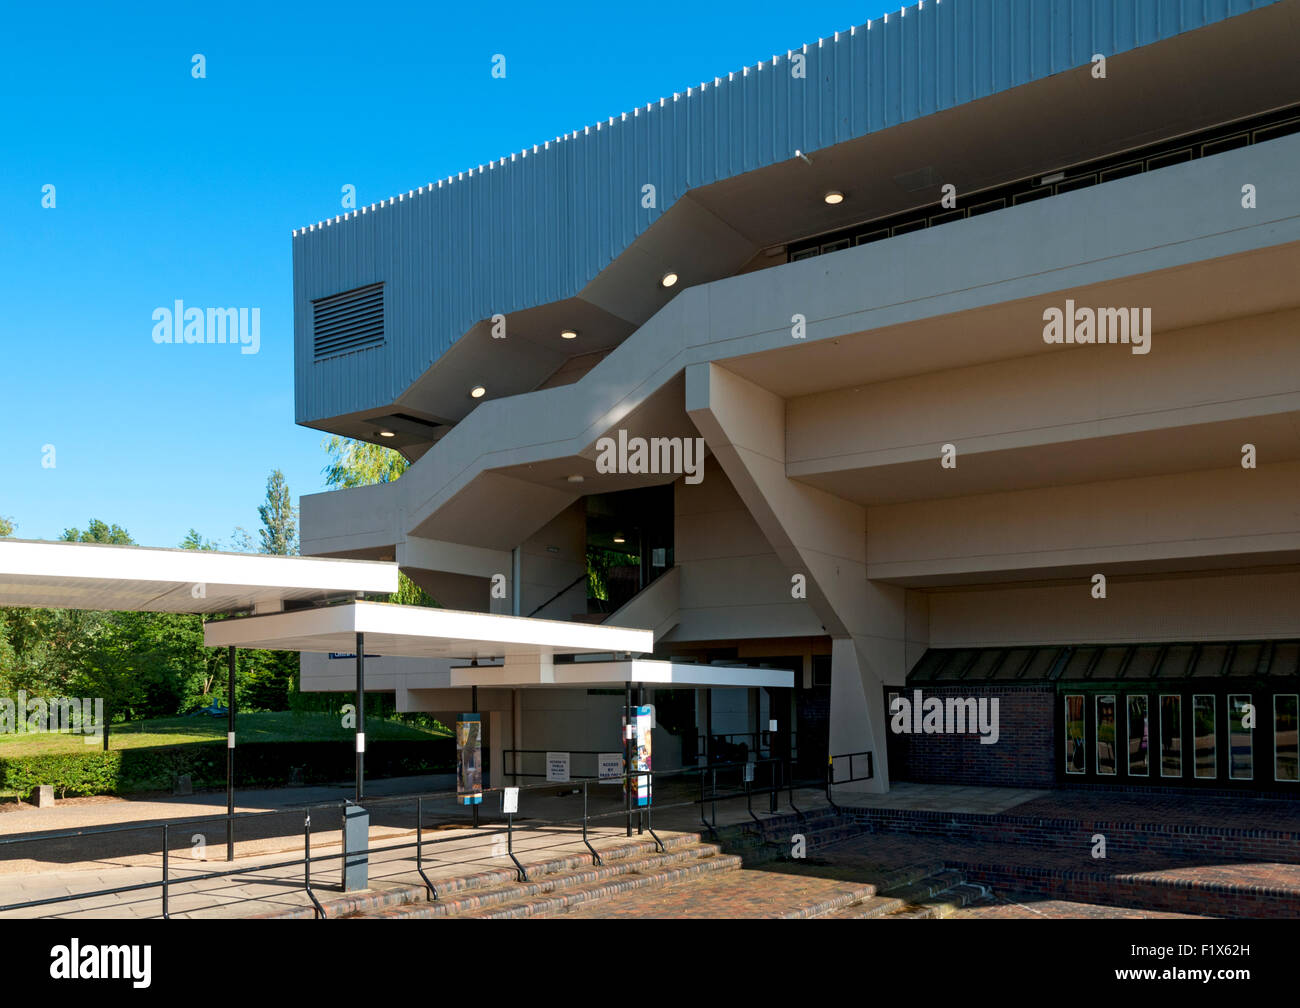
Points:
point(282, 726)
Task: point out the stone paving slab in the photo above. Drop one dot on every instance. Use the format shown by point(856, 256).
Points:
point(1019, 906)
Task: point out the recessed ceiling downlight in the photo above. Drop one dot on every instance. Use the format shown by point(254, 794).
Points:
point(569, 334)
point(833, 198)
point(668, 279)
point(575, 478)
point(387, 433)
point(477, 392)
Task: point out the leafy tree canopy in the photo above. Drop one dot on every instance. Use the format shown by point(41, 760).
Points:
point(99, 532)
point(360, 463)
point(194, 541)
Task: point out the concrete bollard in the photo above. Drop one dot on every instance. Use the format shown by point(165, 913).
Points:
point(43, 796)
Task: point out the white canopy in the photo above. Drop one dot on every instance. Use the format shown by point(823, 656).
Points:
point(419, 632)
point(635, 672)
point(64, 575)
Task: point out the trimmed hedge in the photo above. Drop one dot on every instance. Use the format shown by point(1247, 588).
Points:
point(257, 764)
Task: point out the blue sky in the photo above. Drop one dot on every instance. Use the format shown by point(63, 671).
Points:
point(168, 188)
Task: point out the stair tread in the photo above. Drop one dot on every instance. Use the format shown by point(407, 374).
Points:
point(512, 889)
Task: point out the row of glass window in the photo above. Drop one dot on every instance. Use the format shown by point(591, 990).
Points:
point(1130, 741)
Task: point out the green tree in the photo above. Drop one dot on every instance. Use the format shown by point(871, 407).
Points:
point(194, 541)
point(6, 527)
point(99, 532)
point(361, 463)
point(279, 518)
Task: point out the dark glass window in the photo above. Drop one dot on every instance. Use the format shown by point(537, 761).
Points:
point(1139, 736)
point(1206, 760)
point(1171, 735)
point(1106, 735)
point(1285, 766)
point(1076, 756)
point(1241, 736)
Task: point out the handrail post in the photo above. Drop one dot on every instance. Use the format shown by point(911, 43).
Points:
point(790, 783)
point(306, 865)
point(165, 908)
point(595, 858)
point(419, 847)
point(510, 846)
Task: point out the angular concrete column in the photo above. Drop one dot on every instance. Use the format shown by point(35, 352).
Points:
point(820, 536)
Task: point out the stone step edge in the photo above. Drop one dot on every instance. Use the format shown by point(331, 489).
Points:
point(990, 820)
point(583, 894)
point(764, 851)
point(1126, 878)
point(906, 875)
point(511, 891)
point(373, 899)
point(946, 902)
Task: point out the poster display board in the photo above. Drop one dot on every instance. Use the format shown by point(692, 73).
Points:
point(469, 760)
point(642, 718)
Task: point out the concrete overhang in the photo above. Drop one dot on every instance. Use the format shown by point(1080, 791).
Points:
point(418, 632)
point(136, 578)
point(766, 198)
point(964, 294)
point(638, 672)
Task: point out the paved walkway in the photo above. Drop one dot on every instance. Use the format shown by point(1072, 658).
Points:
point(43, 868)
point(946, 798)
point(452, 848)
point(1019, 906)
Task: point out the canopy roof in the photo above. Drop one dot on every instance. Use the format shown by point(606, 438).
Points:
point(96, 576)
point(635, 672)
point(419, 632)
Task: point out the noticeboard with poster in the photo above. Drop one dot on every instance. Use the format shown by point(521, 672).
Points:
point(643, 718)
point(469, 760)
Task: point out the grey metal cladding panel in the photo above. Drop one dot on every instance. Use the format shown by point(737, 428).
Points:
point(538, 226)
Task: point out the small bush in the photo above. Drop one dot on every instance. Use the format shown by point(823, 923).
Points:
point(257, 764)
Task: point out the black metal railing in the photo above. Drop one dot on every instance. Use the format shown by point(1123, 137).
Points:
point(719, 782)
point(851, 771)
point(724, 747)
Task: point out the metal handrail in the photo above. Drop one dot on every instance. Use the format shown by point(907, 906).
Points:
point(712, 797)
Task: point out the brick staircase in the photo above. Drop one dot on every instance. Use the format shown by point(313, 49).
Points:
point(747, 872)
point(925, 889)
point(1204, 861)
point(553, 885)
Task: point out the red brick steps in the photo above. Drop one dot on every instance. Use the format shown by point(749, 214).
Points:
point(552, 891)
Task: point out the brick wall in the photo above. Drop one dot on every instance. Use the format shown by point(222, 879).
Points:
point(1023, 756)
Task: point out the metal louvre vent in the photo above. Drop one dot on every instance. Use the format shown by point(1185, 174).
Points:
point(344, 323)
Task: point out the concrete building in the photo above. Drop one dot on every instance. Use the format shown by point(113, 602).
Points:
point(965, 351)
